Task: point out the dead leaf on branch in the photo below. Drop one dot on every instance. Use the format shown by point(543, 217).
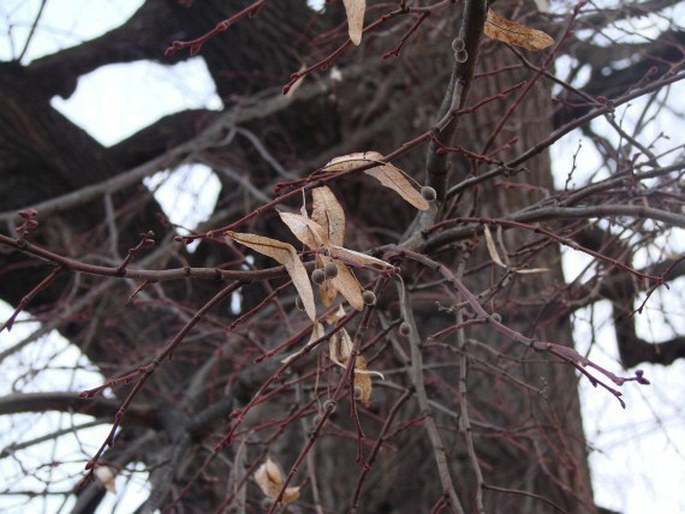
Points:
point(324, 233)
point(492, 248)
point(328, 213)
point(388, 175)
point(269, 479)
point(340, 350)
point(284, 254)
point(512, 33)
point(355, 10)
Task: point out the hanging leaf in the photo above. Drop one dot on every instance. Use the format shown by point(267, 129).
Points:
point(492, 249)
point(284, 254)
point(395, 179)
point(357, 257)
point(340, 350)
point(269, 479)
point(353, 160)
point(347, 285)
point(362, 381)
point(355, 19)
point(328, 213)
point(327, 291)
point(308, 231)
point(387, 174)
point(515, 34)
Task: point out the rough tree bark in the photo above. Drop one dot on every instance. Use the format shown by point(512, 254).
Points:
point(502, 427)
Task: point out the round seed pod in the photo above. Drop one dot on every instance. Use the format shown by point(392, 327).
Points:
point(405, 328)
point(318, 276)
point(331, 270)
point(429, 194)
point(369, 297)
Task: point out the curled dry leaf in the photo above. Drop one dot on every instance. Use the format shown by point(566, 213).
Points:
point(284, 254)
point(388, 175)
point(269, 479)
point(492, 249)
point(106, 475)
point(347, 285)
point(340, 349)
point(309, 232)
point(328, 213)
point(531, 271)
point(355, 19)
point(510, 32)
point(357, 257)
point(362, 381)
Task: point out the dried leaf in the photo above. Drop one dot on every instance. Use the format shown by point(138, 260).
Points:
point(309, 232)
point(515, 34)
point(340, 348)
point(362, 381)
point(395, 179)
point(347, 285)
point(328, 213)
point(284, 254)
point(336, 316)
point(357, 257)
point(106, 475)
point(355, 19)
point(353, 160)
point(269, 479)
point(492, 249)
point(327, 290)
point(531, 271)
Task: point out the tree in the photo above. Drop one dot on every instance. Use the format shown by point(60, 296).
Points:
point(429, 363)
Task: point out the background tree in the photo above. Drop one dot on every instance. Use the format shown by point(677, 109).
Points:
point(469, 325)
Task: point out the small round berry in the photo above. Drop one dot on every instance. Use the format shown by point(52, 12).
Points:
point(318, 276)
point(405, 328)
point(331, 270)
point(329, 406)
point(369, 298)
point(428, 193)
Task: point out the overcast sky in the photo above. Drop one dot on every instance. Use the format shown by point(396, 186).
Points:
point(638, 464)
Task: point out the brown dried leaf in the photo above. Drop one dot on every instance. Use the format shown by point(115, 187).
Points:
point(531, 271)
point(268, 478)
point(492, 249)
point(357, 257)
point(355, 19)
point(352, 160)
point(284, 254)
point(308, 231)
point(328, 213)
point(362, 381)
point(327, 290)
point(340, 348)
point(395, 179)
point(347, 285)
point(515, 34)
